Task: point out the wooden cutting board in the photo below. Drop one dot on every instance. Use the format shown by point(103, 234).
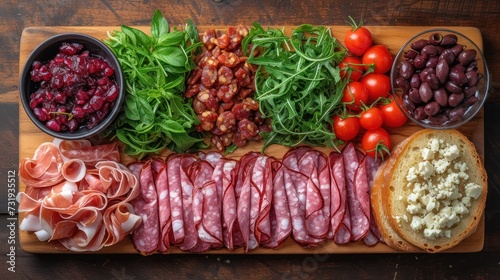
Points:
point(30, 137)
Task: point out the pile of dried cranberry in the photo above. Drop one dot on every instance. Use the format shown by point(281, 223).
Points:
point(74, 89)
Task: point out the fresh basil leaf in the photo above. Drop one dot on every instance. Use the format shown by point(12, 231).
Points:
point(159, 25)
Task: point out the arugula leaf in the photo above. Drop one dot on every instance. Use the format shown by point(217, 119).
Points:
point(298, 83)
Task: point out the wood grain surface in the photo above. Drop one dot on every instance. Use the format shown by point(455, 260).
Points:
point(394, 37)
point(18, 15)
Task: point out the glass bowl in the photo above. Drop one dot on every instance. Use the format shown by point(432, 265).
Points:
point(435, 95)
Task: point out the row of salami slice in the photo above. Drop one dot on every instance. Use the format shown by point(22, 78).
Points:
point(207, 201)
point(78, 195)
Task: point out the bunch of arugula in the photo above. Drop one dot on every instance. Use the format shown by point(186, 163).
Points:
point(156, 115)
point(298, 83)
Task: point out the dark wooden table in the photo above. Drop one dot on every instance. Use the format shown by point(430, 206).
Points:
point(17, 15)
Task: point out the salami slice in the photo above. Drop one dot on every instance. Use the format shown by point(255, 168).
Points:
point(359, 221)
point(304, 198)
point(229, 208)
point(206, 205)
point(146, 236)
point(164, 208)
point(279, 214)
point(191, 233)
point(177, 233)
point(337, 197)
point(262, 183)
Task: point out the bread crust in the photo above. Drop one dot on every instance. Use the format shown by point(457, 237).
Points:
point(388, 190)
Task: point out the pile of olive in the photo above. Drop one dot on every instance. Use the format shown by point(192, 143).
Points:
point(438, 78)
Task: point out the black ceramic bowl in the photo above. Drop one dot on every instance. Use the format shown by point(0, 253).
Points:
point(47, 51)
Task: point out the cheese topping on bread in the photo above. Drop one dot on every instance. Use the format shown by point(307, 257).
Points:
point(440, 192)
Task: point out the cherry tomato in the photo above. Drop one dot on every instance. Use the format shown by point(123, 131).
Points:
point(377, 85)
point(351, 67)
point(376, 142)
point(355, 94)
point(357, 40)
point(371, 118)
point(378, 56)
point(346, 128)
point(392, 114)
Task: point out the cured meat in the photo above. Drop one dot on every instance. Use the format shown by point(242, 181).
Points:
point(262, 194)
point(340, 230)
point(206, 205)
point(305, 197)
point(191, 239)
point(279, 213)
point(177, 233)
point(243, 193)
point(76, 206)
point(85, 151)
point(44, 169)
point(74, 170)
point(355, 201)
point(164, 210)
point(229, 205)
point(146, 236)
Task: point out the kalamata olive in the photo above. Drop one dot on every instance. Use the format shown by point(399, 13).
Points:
point(419, 113)
point(467, 56)
point(449, 40)
point(426, 72)
point(470, 91)
point(451, 87)
point(455, 99)
point(433, 81)
point(458, 67)
point(410, 105)
point(429, 50)
point(432, 108)
point(440, 50)
point(403, 84)
point(448, 56)
point(425, 92)
point(419, 44)
point(471, 67)
point(435, 38)
point(471, 100)
point(414, 95)
point(419, 61)
point(432, 62)
point(442, 71)
point(441, 97)
point(438, 119)
point(456, 113)
point(457, 76)
point(405, 69)
point(457, 49)
point(415, 81)
point(410, 54)
point(472, 78)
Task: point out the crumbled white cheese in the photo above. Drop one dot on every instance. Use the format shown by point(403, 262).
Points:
point(473, 190)
point(440, 191)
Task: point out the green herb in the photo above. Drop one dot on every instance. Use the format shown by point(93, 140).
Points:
point(156, 115)
point(298, 84)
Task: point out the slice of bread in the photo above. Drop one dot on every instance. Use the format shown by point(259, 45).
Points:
point(389, 236)
point(394, 190)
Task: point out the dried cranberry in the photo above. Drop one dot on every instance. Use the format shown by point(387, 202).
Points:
point(75, 89)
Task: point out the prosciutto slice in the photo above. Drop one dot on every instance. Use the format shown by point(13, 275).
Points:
point(74, 205)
